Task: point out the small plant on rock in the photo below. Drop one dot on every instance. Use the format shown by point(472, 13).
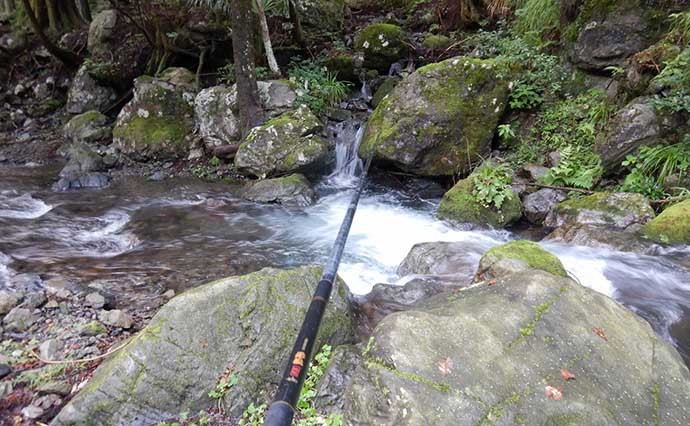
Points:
point(491, 185)
point(579, 167)
point(223, 385)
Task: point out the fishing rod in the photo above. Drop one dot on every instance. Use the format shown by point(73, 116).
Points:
point(282, 409)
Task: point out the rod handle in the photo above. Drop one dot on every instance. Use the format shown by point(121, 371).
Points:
point(279, 413)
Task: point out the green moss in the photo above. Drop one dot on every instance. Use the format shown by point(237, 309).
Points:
point(656, 400)
point(343, 66)
point(93, 328)
point(539, 312)
point(600, 202)
point(531, 254)
point(497, 411)
point(437, 42)
point(152, 131)
point(672, 226)
point(374, 362)
point(384, 89)
point(381, 44)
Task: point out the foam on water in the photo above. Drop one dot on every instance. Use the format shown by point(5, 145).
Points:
point(22, 207)
point(5, 271)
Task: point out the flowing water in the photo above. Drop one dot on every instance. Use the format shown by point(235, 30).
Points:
point(138, 238)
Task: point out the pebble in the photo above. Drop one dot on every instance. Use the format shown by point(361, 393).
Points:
point(34, 300)
point(57, 388)
point(19, 319)
point(8, 300)
point(94, 300)
point(32, 412)
point(4, 370)
point(116, 318)
point(5, 388)
point(50, 349)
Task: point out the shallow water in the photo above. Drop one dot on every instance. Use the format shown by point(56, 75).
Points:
point(138, 238)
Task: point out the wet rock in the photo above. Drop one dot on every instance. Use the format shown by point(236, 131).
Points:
point(618, 210)
point(32, 412)
point(81, 170)
point(6, 388)
point(518, 256)
point(330, 393)
point(89, 127)
point(158, 122)
point(672, 226)
point(496, 351)
point(8, 300)
point(440, 258)
point(438, 120)
point(321, 15)
point(34, 300)
point(533, 171)
point(116, 318)
point(634, 126)
point(172, 363)
point(459, 205)
point(94, 300)
point(19, 319)
point(287, 143)
point(102, 30)
point(382, 45)
point(216, 109)
point(27, 283)
point(86, 94)
point(5, 370)
point(88, 180)
point(293, 190)
point(538, 205)
point(92, 328)
point(50, 349)
point(609, 42)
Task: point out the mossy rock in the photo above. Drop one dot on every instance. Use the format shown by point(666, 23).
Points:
point(343, 66)
point(672, 226)
point(518, 256)
point(618, 210)
point(321, 15)
point(384, 90)
point(459, 205)
point(247, 322)
point(439, 120)
point(382, 44)
point(292, 190)
point(437, 42)
point(91, 126)
point(157, 122)
point(285, 144)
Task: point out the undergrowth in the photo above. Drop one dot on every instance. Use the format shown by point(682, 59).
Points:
point(316, 86)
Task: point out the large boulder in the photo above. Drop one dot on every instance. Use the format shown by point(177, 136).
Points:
point(458, 259)
point(217, 115)
point(292, 190)
point(672, 226)
point(634, 126)
point(244, 323)
point(82, 169)
point(321, 15)
point(610, 41)
point(460, 205)
point(287, 143)
point(517, 256)
point(89, 127)
point(381, 45)
point(506, 352)
point(102, 31)
point(440, 119)
point(158, 121)
point(539, 204)
point(86, 94)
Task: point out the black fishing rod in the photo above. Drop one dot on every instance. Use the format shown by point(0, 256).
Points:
point(282, 409)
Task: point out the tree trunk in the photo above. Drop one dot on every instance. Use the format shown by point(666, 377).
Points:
point(297, 33)
point(70, 59)
point(85, 10)
point(241, 20)
point(266, 38)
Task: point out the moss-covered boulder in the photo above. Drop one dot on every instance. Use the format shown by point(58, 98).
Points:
point(344, 66)
point(517, 256)
point(459, 205)
point(86, 94)
point(321, 15)
point(384, 90)
point(245, 323)
point(159, 120)
point(89, 127)
point(285, 144)
point(440, 119)
point(292, 190)
point(437, 42)
point(381, 44)
point(495, 354)
point(672, 226)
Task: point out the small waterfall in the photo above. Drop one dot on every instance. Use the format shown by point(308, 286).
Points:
point(365, 91)
point(347, 161)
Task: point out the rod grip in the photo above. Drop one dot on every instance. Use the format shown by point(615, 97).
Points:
point(279, 414)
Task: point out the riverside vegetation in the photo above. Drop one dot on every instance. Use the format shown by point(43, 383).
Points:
point(566, 121)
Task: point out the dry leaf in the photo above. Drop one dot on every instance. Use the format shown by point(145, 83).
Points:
point(600, 332)
point(567, 375)
point(553, 393)
point(445, 366)
point(492, 281)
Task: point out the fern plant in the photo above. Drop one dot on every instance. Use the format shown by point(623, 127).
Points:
point(317, 87)
point(491, 185)
point(579, 167)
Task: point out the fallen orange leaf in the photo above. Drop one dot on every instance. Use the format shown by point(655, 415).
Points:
point(600, 332)
point(567, 375)
point(492, 281)
point(445, 366)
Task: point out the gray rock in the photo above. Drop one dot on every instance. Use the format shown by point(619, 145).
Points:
point(538, 205)
point(116, 318)
point(330, 392)
point(216, 109)
point(94, 300)
point(285, 144)
point(55, 388)
point(89, 127)
point(8, 300)
point(441, 258)
point(616, 210)
point(293, 190)
point(6, 388)
point(50, 349)
point(102, 30)
point(88, 180)
point(159, 120)
point(19, 319)
point(5, 370)
point(609, 42)
point(493, 353)
point(248, 321)
point(34, 300)
point(27, 283)
point(634, 126)
point(533, 171)
point(32, 412)
point(86, 94)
